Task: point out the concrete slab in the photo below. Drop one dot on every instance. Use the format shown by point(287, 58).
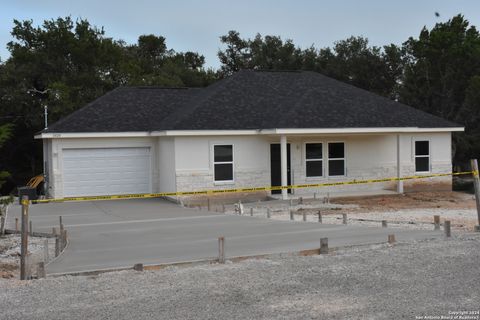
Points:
point(120, 233)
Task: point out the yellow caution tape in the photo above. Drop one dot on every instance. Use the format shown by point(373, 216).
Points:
point(254, 189)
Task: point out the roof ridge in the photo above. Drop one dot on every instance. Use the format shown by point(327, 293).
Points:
point(188, 108)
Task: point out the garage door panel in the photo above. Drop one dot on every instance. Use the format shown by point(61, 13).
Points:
point(101, 171)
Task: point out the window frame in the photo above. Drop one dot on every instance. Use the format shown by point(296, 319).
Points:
point(344, 159)
point(429, 156)
point(221, 182)
point(321, 160)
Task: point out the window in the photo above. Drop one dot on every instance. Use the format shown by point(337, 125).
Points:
point(336, 159)
point(422, 156)
point(314, 159)
point(223, 163)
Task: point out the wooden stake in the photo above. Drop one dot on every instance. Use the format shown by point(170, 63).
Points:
point(24, 244)
point(41, 270)
point(436, 222)
point(64, 239)
point(60, 220)
point(291, 215)
point(268, 213)
point(446, 226)
point(344, 216)
point(45, 250)
point(314, 196)
point(384, 223)
point(208, 204)
point(476, 184)
point(221, 249)
point(57, 245)
point(251, 212)
point(223, 208)
point(319, 216)
point(391, 238)
point(301, 200)
point(304, 216)
point(323, 246)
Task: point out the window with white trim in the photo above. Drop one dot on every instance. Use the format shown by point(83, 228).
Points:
point(314, 159)
point(223, 163)
point(422, 156)
point(336, 159)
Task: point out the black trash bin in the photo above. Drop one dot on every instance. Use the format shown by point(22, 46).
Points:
point(27, 191)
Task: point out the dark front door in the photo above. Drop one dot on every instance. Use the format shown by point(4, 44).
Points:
point(275, 166)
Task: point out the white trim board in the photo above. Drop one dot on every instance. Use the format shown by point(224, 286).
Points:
point(241, 132)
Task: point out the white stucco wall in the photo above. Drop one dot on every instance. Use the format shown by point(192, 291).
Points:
point(166, 164)
point(194, 162)
point(186, 163)
point(371, 157)
point(367, 157)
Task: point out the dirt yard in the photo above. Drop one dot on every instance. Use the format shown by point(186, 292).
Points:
point(411, 210)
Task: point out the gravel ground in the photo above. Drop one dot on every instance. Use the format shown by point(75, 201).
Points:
point(409, 280)
point(10, 253)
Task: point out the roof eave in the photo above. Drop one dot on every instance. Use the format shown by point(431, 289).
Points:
point(278, 131)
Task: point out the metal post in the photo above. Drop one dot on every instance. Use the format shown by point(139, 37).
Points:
point(24, 245)
point(476, 184)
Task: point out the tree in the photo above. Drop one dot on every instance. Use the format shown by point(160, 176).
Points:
point(237, 54)
point(351, 60)
point(66, 64)
point(441, 77)
point(5, 132)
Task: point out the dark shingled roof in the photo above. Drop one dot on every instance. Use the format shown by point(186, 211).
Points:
point(246, 100)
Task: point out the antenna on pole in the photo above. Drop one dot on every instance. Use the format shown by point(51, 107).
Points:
point(45, 109)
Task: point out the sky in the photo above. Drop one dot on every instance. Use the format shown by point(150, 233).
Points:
point(191, 25)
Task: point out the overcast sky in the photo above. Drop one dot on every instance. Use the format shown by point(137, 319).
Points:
point(196, 25)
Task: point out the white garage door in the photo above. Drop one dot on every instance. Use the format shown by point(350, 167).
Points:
point(106, 171)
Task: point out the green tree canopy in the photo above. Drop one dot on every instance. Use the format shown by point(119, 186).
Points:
point(64, 64)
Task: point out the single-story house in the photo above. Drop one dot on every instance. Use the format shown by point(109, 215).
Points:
point(252, 129)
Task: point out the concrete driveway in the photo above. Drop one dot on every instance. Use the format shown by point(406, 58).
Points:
point(120, 233)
